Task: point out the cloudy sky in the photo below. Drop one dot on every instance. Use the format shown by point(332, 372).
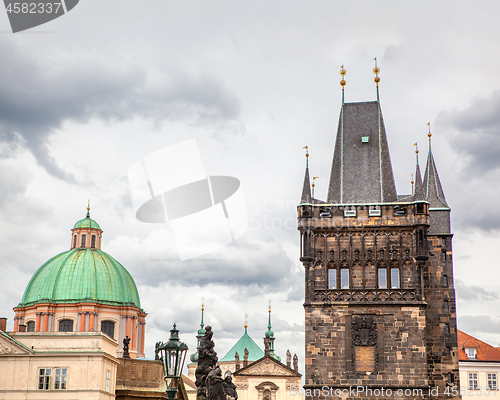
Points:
point(84, 97)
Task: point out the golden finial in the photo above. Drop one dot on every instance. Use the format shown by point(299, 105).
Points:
point(412, 182)
point(202, 304)
point(313, 184)
point(416, 147)
point(269, 306)
point(307, 151)
point(246, 321)
point(342, 73)
point(88, 209)
point(429, 134)
point(376, 71)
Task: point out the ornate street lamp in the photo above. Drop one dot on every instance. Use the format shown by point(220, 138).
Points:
point(173, 355)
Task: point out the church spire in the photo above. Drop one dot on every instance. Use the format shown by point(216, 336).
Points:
point(306, 190)
point(419, 187)
point(201, 333)
point(432, 184)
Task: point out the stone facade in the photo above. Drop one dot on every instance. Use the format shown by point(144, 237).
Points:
point(379, 296)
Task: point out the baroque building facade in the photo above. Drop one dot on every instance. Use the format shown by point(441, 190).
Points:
point(379, 295)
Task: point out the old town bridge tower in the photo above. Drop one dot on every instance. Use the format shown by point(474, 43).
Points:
point(379, 296)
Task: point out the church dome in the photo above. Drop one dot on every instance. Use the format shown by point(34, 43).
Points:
point(87, 222)
point(84, 273)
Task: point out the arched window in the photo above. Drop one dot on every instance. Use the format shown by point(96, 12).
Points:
point(30, 326)
point(332, 278)
point(382, 278)
point(84, 237)
point(92, 244)
point(65, 325)
point(74, 241)
point(395, 283)
point(108, 327)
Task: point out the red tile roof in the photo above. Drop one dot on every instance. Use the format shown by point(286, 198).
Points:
point(485, 352)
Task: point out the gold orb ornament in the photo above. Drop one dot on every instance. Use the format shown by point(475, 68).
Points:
point(376, 70)
point(342, 82)
point(377, 79)
point(343, 72)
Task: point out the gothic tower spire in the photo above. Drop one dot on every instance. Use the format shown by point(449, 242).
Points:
point(306, 189)
point(432, 184)
point(419, 188)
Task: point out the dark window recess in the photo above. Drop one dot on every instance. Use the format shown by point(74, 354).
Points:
point(65, 325)
point(445, 280)
point(31, 326)
point(448, 352)
point(447, 329)
point(399, 210)
point(443, 256)
point(108, 327)
point(92, 244)
point(74, 241)
point(84, 237)
point(420, 208)
point(445, 306)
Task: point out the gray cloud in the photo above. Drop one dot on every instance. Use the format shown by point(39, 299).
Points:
point(38, 96)
point(474, 134)
point(475, 293)
point(478, 323)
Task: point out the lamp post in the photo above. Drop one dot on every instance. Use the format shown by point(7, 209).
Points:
point(173, 355)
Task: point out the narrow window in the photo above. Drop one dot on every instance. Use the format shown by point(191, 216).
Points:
point(443, 242)
point(395, 278)
point(447, 329)
point(382, 278)
point(31, 326)
point(74, 241)
point(93, 242)
point(448, 352)
point(108, 380)
point(473, 381)
point(450, 378)
point(492, 381)
point(60, 378)
point(44, 378)
point(445, 306)
point(83, 240)
point(445, 280)
point(108, 327)
point(420, 208)
point(66, 325)
point(443, 256)
point(344, 278)
point(332, 279)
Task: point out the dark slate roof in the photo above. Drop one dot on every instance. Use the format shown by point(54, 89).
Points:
point(419, 187)
point(432, 185)
point(361, 171)
point(306, 190)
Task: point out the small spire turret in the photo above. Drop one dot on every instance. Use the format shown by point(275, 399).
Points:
point(306, 189)
point(419, 188)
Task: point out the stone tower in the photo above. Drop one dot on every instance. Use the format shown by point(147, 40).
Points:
point(379, 296)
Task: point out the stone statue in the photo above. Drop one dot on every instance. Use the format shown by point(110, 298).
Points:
point(126, 343)
point(209, 382)
point(245, 358)
point(215, 385)
point(229, 387)
point(288, 359)
point(295, 363)
point(236, 361)
point(157, 351)
point(267, 346)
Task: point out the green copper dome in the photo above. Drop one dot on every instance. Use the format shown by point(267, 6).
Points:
point(82, 275)
point(246, 342)
point(87, 222)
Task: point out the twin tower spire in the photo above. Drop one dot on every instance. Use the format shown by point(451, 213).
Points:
point(361, 169)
